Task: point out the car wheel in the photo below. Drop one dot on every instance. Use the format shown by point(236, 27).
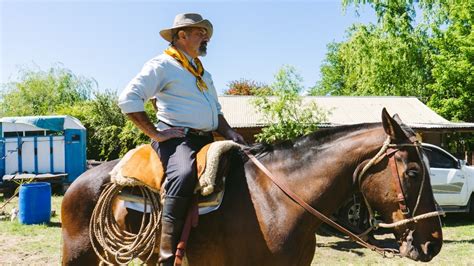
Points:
point(354, 215)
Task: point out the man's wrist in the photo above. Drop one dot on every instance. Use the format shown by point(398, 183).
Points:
point(157, 136)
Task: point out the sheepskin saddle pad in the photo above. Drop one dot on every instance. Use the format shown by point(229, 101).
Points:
point(142, 167)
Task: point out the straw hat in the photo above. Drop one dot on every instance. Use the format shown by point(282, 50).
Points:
point(187, 20)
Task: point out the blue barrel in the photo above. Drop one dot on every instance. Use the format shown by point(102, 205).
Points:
point(35, 203)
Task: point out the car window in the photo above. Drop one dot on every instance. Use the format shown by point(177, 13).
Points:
point(439, 159)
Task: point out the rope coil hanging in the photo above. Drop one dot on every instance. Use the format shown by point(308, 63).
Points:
point(121, 246)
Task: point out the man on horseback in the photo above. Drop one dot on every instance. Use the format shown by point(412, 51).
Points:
point(188, 112)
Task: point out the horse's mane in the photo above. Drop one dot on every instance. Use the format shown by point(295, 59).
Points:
point(317, 137)
point(321, 136)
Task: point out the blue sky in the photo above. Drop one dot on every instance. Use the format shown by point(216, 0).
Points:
point(111, 40)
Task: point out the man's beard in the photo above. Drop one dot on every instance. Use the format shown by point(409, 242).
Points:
point(203, 49)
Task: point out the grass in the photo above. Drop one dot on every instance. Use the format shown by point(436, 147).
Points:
point(458, 247)
point(30, 244)
point(41, 244)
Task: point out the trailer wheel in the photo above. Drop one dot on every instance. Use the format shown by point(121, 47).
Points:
point(65, 187)
point(8, 191)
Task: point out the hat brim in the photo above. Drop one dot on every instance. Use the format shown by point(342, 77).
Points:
point(167, 34)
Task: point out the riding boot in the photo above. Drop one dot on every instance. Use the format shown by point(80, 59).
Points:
point(172, 222)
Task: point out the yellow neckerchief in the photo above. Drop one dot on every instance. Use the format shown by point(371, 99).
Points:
point(181, 58)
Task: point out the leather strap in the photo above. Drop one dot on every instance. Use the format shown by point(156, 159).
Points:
point(192, 131)
point(283, 186)
point(191, 221)
point(398, 187)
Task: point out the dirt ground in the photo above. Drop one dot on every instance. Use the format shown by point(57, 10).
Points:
point(30, 244)
point(20, 251)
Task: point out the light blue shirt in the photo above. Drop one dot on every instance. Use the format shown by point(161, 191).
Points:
point(179, 101)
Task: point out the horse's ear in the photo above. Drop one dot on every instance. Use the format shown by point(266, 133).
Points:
point(397, 118)
point(392, 126)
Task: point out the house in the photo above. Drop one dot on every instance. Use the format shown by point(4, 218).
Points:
point(345, 110)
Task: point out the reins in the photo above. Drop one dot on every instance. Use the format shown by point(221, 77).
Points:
point(282, 185)
point(374, 223)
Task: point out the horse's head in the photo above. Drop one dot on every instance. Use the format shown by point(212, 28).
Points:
point(398, 187)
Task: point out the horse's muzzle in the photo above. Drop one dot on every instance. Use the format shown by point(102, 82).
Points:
point(423, 252)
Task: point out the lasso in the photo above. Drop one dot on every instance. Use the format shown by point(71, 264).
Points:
point(121, 246)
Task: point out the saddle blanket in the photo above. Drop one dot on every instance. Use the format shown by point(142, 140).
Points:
point(140, 207)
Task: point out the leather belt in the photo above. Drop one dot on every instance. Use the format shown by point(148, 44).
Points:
point(195, 132)
point(192, 132)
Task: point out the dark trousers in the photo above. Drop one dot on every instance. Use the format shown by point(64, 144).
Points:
point(178, 156)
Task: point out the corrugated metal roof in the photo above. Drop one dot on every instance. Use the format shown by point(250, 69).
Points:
point(344, 110)
point(51, 122)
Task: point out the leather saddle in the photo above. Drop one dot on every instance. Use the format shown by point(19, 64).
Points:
point(142, 167)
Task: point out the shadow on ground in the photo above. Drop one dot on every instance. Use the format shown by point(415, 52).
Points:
point(384, 237)
point(54, 224)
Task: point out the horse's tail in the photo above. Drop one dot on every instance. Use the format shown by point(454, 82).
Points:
point(76, 211)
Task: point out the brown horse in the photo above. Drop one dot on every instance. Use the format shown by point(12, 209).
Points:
point(258, 224)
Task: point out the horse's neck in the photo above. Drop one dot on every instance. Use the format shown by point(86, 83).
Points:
point(312, 170)
point(322, 176)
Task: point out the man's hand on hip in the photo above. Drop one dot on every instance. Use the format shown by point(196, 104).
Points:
point(142, 121)
point(170, 133)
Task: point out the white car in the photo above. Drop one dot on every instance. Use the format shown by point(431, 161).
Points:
point(452, 180)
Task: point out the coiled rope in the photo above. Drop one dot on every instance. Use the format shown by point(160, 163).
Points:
point(120, 246)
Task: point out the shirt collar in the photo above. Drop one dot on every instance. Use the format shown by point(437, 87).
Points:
point(190, 59)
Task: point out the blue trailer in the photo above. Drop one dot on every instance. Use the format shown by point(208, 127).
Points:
point(38, 147)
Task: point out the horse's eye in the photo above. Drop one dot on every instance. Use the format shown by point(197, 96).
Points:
point(412, 173)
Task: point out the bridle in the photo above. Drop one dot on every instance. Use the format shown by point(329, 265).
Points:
point(388, 150)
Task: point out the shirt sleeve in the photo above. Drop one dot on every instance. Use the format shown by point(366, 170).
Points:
point(142, 87)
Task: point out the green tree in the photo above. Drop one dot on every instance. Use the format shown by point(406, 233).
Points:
point(105, 123)
point(246, 87)
point(109, 134)
point(131, 136)
point(394, 16)
point(453, 59)
point(332, 72)
point(373, 62)
point(285, 113)
point(59, 92)
point(431, 59)
point(43, 92)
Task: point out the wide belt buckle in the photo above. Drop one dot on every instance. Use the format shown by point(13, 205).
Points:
point(195, 132)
